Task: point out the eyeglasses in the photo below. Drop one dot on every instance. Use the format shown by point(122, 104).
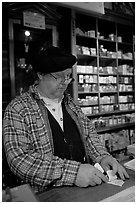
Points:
point(65, 80)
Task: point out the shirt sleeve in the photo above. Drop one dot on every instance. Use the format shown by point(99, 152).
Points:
point(30, 163)
point(96, 149)
point(93, 145)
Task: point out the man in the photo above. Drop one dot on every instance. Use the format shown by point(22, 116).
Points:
point(47, 138)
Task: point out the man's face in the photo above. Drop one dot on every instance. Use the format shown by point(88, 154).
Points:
point(55, 84)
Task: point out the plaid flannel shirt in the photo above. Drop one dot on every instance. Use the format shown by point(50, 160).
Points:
point(29, 145)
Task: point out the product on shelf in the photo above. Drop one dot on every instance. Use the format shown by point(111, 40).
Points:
point(87, 110)
point(106, 53)
point(89, 33)
point(127, 98)
point(87, 69)
point(112, 37)
point(107, 79)
point(108, 99)
point(85, 50)
point(125, 87)
point(113, 120)
point(108, 70)
point(125, 69)
point(116, 140)
point(119, 38)
point(89, 100)
point(105, 71)
point(108, 88)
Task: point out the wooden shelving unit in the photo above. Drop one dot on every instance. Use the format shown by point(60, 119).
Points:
point(104, 74)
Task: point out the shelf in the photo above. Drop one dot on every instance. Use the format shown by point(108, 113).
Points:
point(114, 127)
point(126, 102)
point(106, 60)
point(122, 59)
point(91, 92)
point(88, 83)
point(126, 75)
point(86, 57)
point(86, 73)
point(125, 47)
point(103, 74)
point(106, 40)
point(125, 92)
point(125, 44)
point(125, 61)
point(86, 37)
point(125, 83)
point(107, 83)
point(88, 105)
point(108, 92)
point(111, 113)
point(86, 41)
point(108, 104)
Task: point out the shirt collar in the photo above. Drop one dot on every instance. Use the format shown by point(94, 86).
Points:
point(49, 101)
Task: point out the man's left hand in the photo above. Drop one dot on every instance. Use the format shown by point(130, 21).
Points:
point(108, 163)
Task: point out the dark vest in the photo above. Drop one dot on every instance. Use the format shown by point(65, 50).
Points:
point(67, 143)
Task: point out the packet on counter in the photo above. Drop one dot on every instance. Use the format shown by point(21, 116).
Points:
point(110, 176)
point(112, 179)
point(117, 182)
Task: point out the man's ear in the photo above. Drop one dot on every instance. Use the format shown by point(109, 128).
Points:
point(39, 75)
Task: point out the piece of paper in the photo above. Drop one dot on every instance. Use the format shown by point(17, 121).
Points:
point(130, 164)
point(110, 176)
point(97, 165)
point(117, 182)
point(112, 179)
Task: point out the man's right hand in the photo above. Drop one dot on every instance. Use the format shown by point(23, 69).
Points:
point(88, 175)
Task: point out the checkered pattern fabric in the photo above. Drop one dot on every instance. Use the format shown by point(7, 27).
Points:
point(29, 146)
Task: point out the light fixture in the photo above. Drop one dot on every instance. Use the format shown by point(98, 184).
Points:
point(27, 33)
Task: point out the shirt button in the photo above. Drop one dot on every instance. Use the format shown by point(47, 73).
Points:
point(61, 119)
point(53, 109)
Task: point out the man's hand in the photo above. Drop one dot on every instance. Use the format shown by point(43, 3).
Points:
point(108, 163)
point(88, 175)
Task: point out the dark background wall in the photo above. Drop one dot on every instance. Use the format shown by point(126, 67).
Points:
point(5, 63)
point(64, 41)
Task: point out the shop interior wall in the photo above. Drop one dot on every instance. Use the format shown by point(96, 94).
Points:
point(64, 41)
